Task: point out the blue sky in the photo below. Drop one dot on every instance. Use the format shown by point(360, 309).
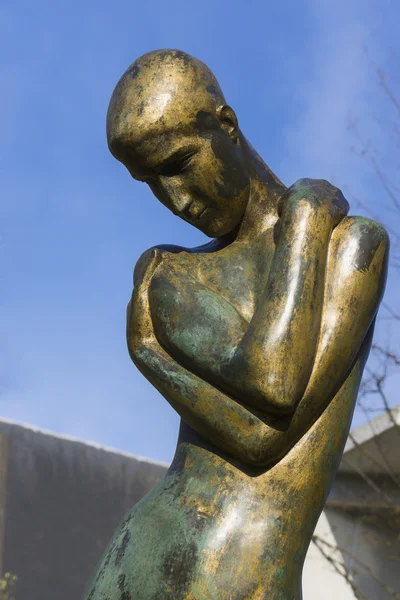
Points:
point(73, 223)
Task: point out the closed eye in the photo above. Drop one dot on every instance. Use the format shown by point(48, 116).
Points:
point(177, 165)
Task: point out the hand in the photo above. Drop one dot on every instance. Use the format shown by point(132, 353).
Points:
point(320, 194)
point(139, 325)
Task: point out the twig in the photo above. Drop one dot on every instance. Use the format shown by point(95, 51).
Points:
point(366, 568)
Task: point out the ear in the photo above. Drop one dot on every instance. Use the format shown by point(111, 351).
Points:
point(228, 121)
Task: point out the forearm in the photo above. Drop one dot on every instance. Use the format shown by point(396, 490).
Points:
point(214, 415)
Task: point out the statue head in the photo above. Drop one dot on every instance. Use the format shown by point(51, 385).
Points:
point(169, 124)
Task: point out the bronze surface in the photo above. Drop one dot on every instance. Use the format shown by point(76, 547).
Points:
point(257, 339)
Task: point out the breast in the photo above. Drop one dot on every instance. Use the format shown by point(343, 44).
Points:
point(199, 327)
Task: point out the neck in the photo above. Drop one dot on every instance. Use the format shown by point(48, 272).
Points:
point(265, 192)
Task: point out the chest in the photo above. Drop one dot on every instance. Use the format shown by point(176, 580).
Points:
point(201, 304)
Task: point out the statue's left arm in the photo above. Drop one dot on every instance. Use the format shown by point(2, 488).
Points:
point(213, 414)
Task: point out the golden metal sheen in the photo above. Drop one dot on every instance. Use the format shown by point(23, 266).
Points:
point(257, 339)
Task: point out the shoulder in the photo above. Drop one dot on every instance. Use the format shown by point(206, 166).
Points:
point(168, 250)
point(368, 231)
point(144, 259)
point(367, 237)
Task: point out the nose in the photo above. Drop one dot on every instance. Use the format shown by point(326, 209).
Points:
point(176, 198)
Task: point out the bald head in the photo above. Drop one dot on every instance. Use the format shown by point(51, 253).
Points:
point(160, 90)
point(169, 125)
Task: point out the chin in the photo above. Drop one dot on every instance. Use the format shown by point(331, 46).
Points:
point(212, 232)
point(208, 231)
point(215, 229)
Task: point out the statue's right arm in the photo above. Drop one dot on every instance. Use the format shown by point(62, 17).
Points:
point(322, 294)
point(209, 411)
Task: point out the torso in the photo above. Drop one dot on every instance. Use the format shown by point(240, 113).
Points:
point(209, 530)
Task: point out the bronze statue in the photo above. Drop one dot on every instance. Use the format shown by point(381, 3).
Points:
point(257, 339)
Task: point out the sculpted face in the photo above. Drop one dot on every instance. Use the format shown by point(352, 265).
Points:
point(169, 125)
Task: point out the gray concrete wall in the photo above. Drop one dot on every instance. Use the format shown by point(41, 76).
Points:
point(63, 501)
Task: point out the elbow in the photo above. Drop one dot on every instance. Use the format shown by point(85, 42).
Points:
point(134, 347)
point(139, 353)
point(256, 459)
point(262, 453)
point(279, 403)
point(278, 400)
point(271, 386)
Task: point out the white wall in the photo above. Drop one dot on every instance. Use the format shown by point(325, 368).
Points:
point(320, 579)
point(369, 550)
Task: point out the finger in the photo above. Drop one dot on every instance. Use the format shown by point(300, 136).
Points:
point(341, 203)
point(146, 266)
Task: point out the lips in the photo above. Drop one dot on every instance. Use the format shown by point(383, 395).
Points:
point(194, 209)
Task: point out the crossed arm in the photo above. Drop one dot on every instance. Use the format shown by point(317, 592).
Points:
point(321, 297)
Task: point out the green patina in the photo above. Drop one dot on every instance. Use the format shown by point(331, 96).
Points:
point(229, 333)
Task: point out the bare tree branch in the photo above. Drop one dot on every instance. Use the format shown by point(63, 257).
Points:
point(321, 543)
